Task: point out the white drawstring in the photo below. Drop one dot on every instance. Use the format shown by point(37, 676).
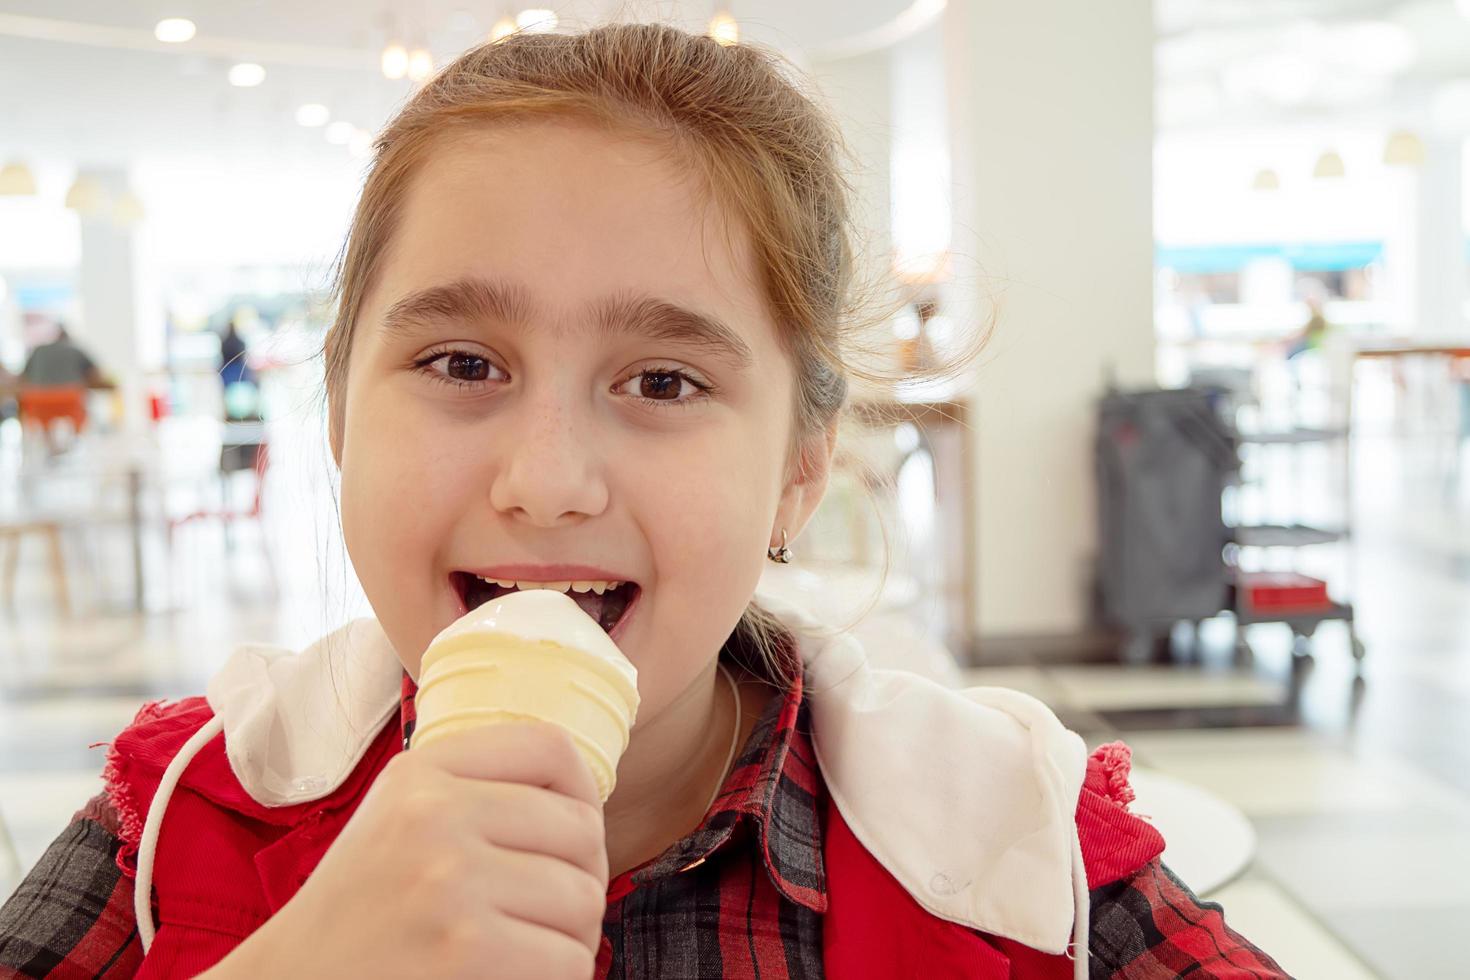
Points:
point(1082, 911)
point(143, 884)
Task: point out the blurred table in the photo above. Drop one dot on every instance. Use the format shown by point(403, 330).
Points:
point(1411, 350)
point(76, 488)
point(70, 488)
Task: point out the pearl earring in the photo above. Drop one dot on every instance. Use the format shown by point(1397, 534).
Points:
point(781, 555)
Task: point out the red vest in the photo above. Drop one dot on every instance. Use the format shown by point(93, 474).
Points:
point(225, 863)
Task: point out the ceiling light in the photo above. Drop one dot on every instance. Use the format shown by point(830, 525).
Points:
point(86, 196)
point(395, 61)
point(724, 29)
point(174, 30)
point(313, 114)
point(16, 180)
point(247, 74)
point(1266, 180)
point(420, 65)
point(1403, 149)
point(536, 20)
point(1329, 165)
point(128, 211)
point(504, 28)
point(340, 132)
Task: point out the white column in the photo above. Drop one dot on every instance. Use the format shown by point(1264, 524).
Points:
point(857, 92)
point(921, 152)
point(1052, 135)
point(1438, 277)
point(114, 311)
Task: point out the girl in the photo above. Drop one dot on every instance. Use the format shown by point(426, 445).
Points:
point(590, 338)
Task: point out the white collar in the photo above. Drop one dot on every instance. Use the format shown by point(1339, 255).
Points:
point(968, 798)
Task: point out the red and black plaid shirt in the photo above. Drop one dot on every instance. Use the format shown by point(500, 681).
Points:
point(741, 896)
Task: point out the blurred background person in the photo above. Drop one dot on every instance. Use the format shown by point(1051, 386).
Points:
point(241, 386)
point(1313, 332)
point(52, 395)
point(62, 363)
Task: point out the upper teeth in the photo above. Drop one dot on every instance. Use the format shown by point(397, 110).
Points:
point(597, 587)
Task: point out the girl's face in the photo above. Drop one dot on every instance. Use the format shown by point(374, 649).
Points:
point(565, 371)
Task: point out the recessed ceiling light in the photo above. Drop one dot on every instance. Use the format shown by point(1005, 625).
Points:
point(420, 64)
point(395, 61)
point(504, 28)
point(174, 30)
point(724, 29)
point(313, 114)
point(247, 74)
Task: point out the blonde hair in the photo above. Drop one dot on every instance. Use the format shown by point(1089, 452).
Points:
point(770, 156)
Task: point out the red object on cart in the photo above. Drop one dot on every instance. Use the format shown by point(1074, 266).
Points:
point(158, 407)
point(1278, 591)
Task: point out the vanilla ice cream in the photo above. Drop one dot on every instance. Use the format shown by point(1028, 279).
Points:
point(532, 655)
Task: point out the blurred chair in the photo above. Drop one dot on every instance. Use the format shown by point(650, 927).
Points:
point(12, 529)
point(228, 515)
point(45, 406)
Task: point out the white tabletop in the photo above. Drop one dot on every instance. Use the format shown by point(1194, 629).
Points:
point(1209, 840)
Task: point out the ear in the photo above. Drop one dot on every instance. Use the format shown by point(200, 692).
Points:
point(806, 484)
point(334, 428)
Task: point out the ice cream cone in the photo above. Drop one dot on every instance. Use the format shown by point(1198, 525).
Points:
point(531, 655)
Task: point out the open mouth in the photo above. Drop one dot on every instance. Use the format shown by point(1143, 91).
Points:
point(608, 603)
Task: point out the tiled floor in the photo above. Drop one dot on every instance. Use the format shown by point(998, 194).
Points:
point(1359, 794)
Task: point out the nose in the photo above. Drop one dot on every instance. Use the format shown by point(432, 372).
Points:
point(550, 472)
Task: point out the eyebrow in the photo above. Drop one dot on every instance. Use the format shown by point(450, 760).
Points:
point(659, 319)
point(627, 314)
point(463, 299)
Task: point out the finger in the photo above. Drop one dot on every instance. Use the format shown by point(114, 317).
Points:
point(538, 821)
point(528, 951)
point(551, 893)
point(533, 752)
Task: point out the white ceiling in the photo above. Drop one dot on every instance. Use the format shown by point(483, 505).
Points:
point(1318, 64)
point(84, 82)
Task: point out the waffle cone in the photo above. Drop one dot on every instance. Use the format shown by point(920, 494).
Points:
point(475, 679)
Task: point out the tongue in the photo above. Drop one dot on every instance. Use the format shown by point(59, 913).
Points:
point(590, 603)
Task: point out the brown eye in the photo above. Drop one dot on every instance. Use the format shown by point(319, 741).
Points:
point(668, 387)
point(659, 385)
point(467, 367)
